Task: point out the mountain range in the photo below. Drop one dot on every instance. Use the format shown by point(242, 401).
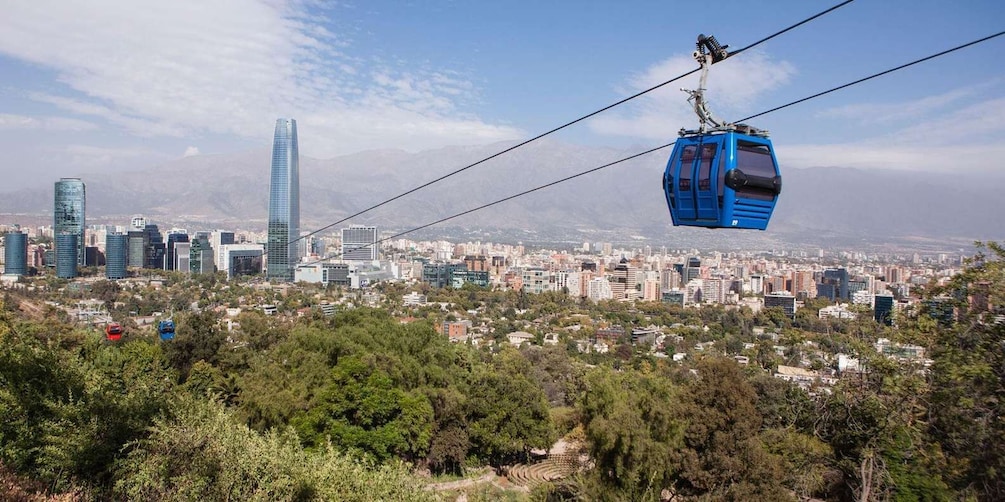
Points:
point(821, 206)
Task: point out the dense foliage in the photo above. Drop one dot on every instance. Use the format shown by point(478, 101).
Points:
point(349, 407)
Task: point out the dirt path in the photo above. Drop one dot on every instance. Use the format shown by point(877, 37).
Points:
point(461, 483)
point(30, 309)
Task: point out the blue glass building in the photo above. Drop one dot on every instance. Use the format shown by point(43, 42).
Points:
point(675, 297)
point(834, 284)
point(284, 203)
point(441, 275)
point(68, 213)
point(137, 248)
point(15, 253)
point(66, 256)
point(883, 309)
point(173, 238)
point(200, 259)
point(116, 255)
point(153, 247)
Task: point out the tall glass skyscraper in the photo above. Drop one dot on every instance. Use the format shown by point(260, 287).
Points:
point(284, 202)
point(66, 259)
point(15, 253)
point(68, 213)
point(116, 255)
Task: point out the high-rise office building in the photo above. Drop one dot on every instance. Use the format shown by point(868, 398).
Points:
point(359, 243)
point(623, 281)
point(183, 257)
point(116, 255)
point(175, 236)
point(153, 247)
point(66, 255)
point(68, 213)
point(200, 256)
point(218, 239)
point(137, 248)
point(15, 245)
point(284, 202)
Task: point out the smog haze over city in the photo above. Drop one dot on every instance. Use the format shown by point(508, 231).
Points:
point(439, 250)
point(114, 93)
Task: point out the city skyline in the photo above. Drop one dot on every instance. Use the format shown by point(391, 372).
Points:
point(494, 276)
point(284, 202)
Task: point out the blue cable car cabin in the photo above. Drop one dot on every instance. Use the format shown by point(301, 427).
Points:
point(166, 329)
point(722, 180)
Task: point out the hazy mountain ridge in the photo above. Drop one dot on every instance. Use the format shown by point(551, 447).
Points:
point(818, 204)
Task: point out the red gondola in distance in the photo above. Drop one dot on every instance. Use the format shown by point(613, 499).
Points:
point(113, 332)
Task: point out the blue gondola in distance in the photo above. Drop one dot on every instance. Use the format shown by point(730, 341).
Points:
point(166, 329)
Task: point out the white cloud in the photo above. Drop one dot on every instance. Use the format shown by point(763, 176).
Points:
point(937, 158)
point(191, 151)
point(188, 67)
point(978, 122)
point(138, 126)
point(889, 113)
point(21, 122)
point(733, 87)
point(973, 137)
point(89, 156)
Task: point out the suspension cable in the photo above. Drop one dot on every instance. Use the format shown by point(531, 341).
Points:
point(651, 150)
point(565, 125)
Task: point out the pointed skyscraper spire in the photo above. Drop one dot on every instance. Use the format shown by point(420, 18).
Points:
point(284, 203)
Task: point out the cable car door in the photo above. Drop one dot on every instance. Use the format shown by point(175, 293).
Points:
point(684, 188)
point(705, 193)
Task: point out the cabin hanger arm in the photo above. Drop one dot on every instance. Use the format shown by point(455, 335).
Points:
point(707, 52)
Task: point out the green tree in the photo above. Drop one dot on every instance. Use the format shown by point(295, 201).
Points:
point(968, 377)
point(203, 454)
point(633, 431)
point(197, 338)
point(875, 429)
point(723, 456)
point(507, 411)
point(362, 410)
point(449, 445)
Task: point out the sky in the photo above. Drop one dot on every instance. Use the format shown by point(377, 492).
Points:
point(107, 85)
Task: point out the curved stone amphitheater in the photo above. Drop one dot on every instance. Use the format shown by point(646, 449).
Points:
point(554, 468)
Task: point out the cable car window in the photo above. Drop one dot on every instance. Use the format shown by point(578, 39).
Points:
point(705, 167)
point(755, 160)
point(686, 159)
point(688, 154)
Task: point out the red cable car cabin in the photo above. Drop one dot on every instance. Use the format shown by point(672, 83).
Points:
point(113, 332)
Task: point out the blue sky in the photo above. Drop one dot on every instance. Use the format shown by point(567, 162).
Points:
point(113, 85)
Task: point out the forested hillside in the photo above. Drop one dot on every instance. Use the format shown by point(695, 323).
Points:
point(374, 404)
